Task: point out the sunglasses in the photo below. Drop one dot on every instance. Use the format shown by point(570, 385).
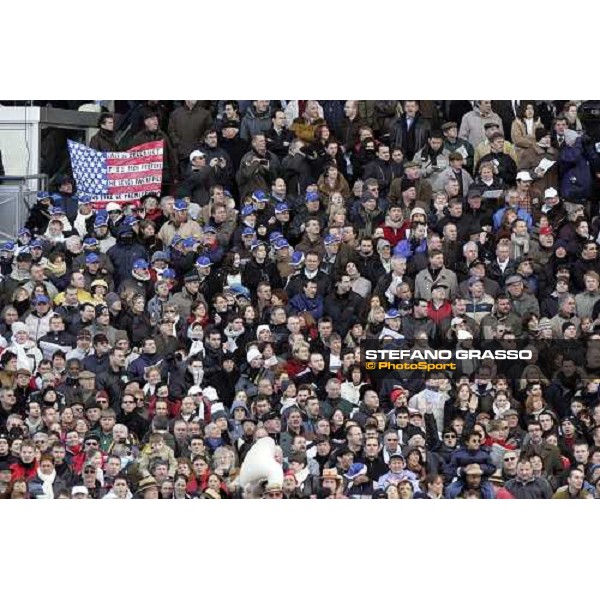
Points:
point(510, 458)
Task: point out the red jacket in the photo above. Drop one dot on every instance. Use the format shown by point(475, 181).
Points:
point(21, 471)
point(441, 313)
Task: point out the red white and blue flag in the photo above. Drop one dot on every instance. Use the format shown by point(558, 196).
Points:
point(117, 176)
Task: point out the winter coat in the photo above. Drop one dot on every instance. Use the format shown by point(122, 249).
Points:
point(123, 255)
point(254, 123)
point(253, 175)
point(104, 141)
point(187, 128)
point(472, 126)
point(410, 140)
point(463, 457)
point(534, 489)
point(39, 325)
point(424, 281)
point(574, 171)
point(196, 185)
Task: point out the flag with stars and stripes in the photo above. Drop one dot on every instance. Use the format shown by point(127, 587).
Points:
point(117, 176)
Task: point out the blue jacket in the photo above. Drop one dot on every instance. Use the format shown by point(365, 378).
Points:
point(314, 306)
point(521, 214)
point(575, 173)
point(406, 248)
point(456, 488)
point(138, 367)
point(463, 457)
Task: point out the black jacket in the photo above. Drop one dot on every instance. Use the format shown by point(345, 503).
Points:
point(410, 140)
point(104, 141)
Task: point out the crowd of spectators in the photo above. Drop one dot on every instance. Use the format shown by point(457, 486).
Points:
point(147, 347)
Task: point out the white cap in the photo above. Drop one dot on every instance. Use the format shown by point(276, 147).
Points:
point(463, 334)
point(262, 328)
point(456, 321)
point(253, 353)
point(197, 154)
point(417, 210)
point(19, 326)
point(113, 206)
point(79, 489)
point(524, 176)
point(210, 394)
point(550, 193)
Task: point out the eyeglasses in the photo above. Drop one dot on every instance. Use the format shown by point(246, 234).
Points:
point(449, 436)
point(509, 458)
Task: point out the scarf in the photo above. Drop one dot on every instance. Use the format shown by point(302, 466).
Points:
point(47, 480)
point(56, 270)
point(519, 245)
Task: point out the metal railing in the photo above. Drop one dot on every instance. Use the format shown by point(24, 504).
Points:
point(16, 200)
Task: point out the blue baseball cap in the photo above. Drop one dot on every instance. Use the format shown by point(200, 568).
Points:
point(297, 259)
point(176, 240)
point(259, 196)
point(274, 236)
point(140, 263)
point(248, 231)
point(281, 207)
point(41, 300)
point(130, 220)
point(24, 231)
point(90, 242)
point(8, 247)
point(257, 244)
point(209, 229)
point(101, 220)
point(168, 274)
point(247, 210)
point(84, 199)
point(92, 257)
point(312, 197)
point(57, 210)
point(43, 196)
point(330, 239)
point(189, 242)
point(203, 261)
point(239, 290)
point(281, 243)
point(180, 205)
point(392, 314)
point(36, 244)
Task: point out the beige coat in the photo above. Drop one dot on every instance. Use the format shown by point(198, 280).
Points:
point(522, 141)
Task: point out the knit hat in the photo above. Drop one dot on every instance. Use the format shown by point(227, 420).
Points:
point(252, 354)
point(19, 326)
point(544, 324)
